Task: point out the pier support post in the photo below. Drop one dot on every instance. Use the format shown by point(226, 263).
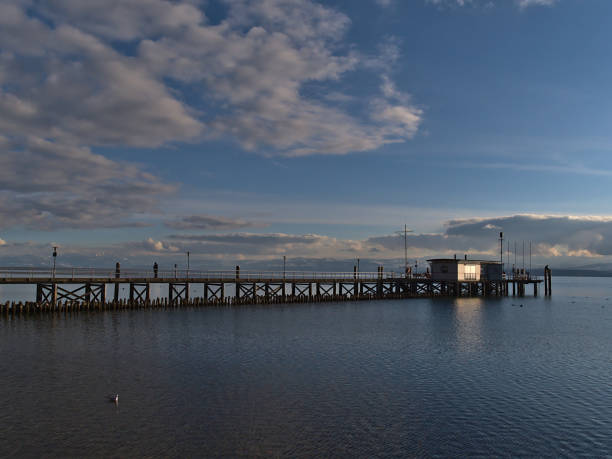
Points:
point(238, 282)
point(117, 276)
point(39, 293)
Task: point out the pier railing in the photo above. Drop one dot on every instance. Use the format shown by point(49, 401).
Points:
point(169, 274)
point(101, 273)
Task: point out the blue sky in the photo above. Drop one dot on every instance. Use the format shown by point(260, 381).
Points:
point(243, 130)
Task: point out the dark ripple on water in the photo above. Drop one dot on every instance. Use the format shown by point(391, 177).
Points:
point(397, 378)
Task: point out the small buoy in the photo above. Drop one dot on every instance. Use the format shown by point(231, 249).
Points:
point(113, 398)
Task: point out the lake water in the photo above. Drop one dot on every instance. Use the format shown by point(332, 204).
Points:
point(441, 377)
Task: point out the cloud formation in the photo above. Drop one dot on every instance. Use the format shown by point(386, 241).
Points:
point(48, 185)
point(528, 3)
point(561, 241)
point(270, 245)
point(551, 236)
point(211, 222)
point(521, 4)
point(75, 76)
point(99, 73)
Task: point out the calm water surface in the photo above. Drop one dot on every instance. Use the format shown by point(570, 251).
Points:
point(423, 377)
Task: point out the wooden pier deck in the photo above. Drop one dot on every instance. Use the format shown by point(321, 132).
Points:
point(75, 289)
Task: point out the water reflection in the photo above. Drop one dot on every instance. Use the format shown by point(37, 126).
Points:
point(468, 324)
point(426, 377)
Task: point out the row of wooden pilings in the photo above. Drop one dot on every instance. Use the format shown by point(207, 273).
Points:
point(31, 307)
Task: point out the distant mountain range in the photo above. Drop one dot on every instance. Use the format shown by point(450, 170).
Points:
point(578, 272)
point(591, 270)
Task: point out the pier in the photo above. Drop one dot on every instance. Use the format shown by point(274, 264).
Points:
point(76, 289)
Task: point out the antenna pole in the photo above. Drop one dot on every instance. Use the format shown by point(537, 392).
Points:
point(406, 231)
point(405, 246)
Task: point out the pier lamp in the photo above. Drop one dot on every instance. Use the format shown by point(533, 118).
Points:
point(188, 264)
point(54, 258)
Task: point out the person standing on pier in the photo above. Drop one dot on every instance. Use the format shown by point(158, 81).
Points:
point(155, 268)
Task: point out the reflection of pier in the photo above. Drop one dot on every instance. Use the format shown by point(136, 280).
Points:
point(95, 289)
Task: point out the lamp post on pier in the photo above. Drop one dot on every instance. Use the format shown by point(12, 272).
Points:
point(54, 258)
point(188, 264)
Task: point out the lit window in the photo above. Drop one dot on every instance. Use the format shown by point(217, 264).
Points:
point(470, 272)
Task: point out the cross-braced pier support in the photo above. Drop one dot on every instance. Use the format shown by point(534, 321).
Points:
point(140, 293)
point(301, 290)
point(178, 292)
point(86, 293)
point(349, 289)
point(326, 290)
point(214, 292)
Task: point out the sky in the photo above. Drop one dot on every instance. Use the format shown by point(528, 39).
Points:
point(244, 131)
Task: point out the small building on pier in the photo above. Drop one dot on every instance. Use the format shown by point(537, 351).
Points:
point(460, 270)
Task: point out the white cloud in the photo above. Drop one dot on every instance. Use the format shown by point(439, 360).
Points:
point(264, 246)
point(552, 237)
point(78, 75)
point(245, 75)
point(68, 85)
point(156, 246)
point(522, 4)
point(48, 185)
point(211, 222)
point(527, 3)
point(557, 240)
